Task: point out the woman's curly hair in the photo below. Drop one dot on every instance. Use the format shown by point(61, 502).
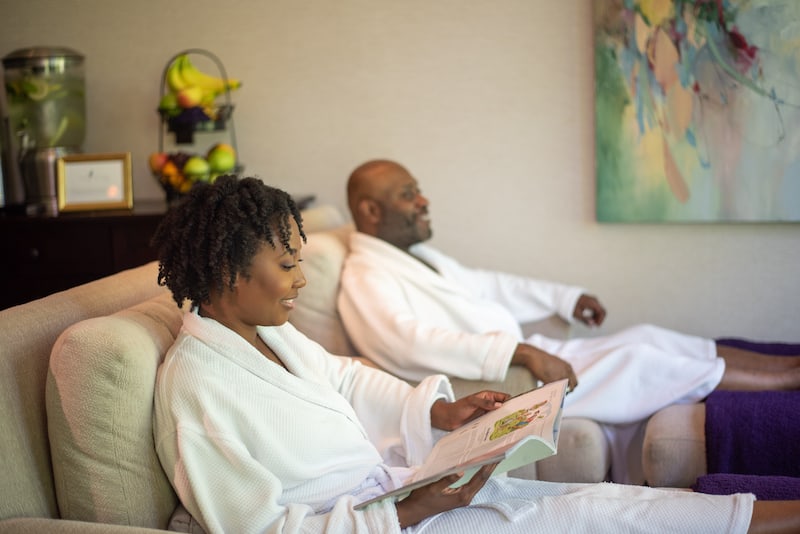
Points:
point(211, 236)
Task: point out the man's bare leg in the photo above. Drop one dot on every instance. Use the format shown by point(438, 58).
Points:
point(752, 371)
point(775, 517)
point(747, 359)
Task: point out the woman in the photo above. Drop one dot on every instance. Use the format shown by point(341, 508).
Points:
point(261, 430)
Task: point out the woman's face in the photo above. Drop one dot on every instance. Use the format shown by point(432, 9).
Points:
point(267, 297)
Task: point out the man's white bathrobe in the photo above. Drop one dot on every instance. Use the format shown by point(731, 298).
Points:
point(250, 447)
point(414, 321)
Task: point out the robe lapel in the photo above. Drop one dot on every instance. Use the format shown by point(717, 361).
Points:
point(301, 382)
point(401, 264)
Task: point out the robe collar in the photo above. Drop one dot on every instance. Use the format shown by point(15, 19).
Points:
point(301, 381)
point(405, 264)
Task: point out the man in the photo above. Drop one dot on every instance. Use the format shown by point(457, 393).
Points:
point(415, 311)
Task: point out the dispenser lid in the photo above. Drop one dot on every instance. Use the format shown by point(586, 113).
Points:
point(42, 56)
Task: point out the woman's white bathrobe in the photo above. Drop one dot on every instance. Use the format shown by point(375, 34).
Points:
point(250, 447)
point(413, 322)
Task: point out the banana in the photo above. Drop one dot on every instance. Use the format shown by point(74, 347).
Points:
point(216, 86)
point(175, 79)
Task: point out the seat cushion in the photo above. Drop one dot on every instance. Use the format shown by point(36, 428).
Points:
point(99, 398)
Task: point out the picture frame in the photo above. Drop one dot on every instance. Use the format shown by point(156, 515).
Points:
point(88, 182)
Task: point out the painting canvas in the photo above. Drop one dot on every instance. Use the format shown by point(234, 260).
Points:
point(697, 110)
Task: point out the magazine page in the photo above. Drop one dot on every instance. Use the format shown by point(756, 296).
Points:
point(534, 413)
point(523, 430)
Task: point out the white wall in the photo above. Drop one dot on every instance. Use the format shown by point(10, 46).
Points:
point(489, 104)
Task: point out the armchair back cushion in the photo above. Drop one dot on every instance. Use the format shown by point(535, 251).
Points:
point(315, 313)
point(99, 396)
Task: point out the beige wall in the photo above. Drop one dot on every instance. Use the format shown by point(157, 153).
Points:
point(489, 103)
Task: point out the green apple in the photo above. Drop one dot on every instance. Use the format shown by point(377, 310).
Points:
point(197, 168)
point(169, 104)
point(222, 159)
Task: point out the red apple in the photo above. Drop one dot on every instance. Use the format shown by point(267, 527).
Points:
point(157, 161)
point(190, 97)
point(220, 146)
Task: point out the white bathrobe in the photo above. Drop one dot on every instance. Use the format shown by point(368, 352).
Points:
point(414, 321)
point(235, 432)
point(250, 447)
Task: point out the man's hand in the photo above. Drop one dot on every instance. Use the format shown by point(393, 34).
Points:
point(451, 415)
point(439, 497)
point(544, 366)
point(589, 311)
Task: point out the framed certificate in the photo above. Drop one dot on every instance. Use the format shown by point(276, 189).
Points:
point(88, 182)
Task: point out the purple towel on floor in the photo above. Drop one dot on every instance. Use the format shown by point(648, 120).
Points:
point(773, 488)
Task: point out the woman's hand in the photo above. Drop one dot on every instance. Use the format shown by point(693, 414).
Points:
point(439, 497)
point(451, 415)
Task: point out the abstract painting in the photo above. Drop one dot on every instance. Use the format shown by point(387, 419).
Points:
point(697, 110)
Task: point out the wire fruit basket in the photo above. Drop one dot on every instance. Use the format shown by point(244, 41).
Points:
point(192, 102)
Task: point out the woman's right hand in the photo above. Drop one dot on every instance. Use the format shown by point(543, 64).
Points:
point(439, 497)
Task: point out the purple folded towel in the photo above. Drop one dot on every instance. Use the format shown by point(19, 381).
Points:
point(753, 433)
point(753, 438)
point(765, 488)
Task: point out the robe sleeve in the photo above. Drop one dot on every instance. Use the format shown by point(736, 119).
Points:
point(528, 299)
point(395, 415)
point(219, 478)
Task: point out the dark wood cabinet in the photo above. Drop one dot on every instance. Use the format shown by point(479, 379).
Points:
point(42, 255)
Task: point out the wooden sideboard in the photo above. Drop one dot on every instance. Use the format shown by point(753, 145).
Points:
point(42, 255)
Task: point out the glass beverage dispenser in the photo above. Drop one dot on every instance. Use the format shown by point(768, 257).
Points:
point(47, 114)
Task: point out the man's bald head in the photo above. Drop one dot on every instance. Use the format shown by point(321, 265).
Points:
point(385, 202)
point(370, 180)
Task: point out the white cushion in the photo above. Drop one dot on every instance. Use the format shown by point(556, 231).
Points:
point(99, 397)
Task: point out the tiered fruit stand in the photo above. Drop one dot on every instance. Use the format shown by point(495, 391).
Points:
point(185, 122)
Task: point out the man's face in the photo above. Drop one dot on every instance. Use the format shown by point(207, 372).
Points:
point(404, 212)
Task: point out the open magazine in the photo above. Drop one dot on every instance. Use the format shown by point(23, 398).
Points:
point(523, 430)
